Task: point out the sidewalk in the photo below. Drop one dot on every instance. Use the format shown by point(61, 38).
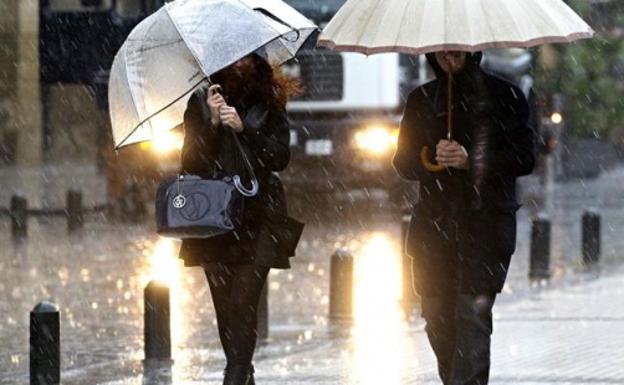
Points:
point(97, 279)
point(568, 335)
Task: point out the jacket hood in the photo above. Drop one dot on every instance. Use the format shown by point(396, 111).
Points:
point(473, 62)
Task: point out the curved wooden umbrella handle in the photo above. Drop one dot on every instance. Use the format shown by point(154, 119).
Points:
point(424, 158)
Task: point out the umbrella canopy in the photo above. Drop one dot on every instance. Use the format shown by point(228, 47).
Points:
point(175, 49)
point(423, 26)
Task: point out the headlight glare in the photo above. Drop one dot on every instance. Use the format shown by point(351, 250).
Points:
point(376, 140)
point(167, 141)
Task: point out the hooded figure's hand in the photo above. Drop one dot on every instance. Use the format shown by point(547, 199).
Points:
point(452, 154)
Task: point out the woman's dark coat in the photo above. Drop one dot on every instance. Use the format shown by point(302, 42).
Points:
point(269, 237)
point(463, 229)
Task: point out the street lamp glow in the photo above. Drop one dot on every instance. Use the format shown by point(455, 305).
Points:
point(556, 118)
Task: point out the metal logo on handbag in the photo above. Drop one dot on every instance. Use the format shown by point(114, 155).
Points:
point(189, 206)
point(179, 201)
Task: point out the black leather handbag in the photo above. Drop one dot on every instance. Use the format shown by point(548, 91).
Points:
point(190, 206)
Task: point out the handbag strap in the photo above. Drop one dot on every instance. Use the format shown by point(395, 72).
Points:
point(255, 186)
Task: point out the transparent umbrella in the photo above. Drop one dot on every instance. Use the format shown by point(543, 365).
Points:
point(178, 47)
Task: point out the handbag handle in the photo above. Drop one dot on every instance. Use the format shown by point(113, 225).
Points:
point(255, 186)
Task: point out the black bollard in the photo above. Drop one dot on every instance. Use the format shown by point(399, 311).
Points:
point(263, 313)
point(74, 211)
point(45, 345)
point(591, 238)
point(409, 295)
point(157, 323)
point(540, 249)
point(341, 285)
point(19, 217)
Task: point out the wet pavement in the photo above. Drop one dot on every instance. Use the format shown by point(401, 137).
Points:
point(97, 278)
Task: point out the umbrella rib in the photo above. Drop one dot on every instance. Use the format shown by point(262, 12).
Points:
point(159, 111)
point(148, 32)
point(145, 49)
point(134, 103)
point(509, 17)
point(539, 4)
point(400, 29)
point(546, 10)
point(370, 18)
point(191, 50)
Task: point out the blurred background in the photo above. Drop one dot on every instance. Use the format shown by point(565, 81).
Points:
point(53, 101)
point(55, 57)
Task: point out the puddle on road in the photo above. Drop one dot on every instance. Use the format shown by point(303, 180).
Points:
point(380, 343)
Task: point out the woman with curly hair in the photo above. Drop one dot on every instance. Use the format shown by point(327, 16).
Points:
point(249, 98)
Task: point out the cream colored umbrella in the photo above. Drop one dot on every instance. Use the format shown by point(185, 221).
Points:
point(425, 26)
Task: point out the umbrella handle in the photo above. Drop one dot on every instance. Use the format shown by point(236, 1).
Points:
point(424, 153)
point(424, 158)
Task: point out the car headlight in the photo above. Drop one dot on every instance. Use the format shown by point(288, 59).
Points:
point(377, 140)
point(165, 142)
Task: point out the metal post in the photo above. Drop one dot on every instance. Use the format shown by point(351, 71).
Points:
point(341, 285)
point(46, 108)
point(45, 345)
point(591, 238)
point(409, 296)
point(540, 249)
point(74, 211)
point(19, 217)
point(549, 196)
point(263, 313)
point(157, 323)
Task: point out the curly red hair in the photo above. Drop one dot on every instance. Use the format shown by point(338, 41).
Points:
point(254, 80)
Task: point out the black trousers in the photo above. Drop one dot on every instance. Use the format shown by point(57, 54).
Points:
point(459, 328)
point(235, 293)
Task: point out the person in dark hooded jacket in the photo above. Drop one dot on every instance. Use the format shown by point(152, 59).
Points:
point(463, 229)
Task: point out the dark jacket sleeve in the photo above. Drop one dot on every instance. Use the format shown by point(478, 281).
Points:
point(406, 160)
point(519, 157)
point(201, 139)
point(267, 132)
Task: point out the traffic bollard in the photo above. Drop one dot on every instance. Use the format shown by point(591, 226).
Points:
point(540, 249)
point(591, 238)
point(409, 295)
point(74, 211)
point(45, 345)
point(263, 313)
point(341, 285)
point(157, 323)
point(19, 217)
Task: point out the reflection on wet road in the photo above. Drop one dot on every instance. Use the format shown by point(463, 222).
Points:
point(163, 265)
point(379, 341)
